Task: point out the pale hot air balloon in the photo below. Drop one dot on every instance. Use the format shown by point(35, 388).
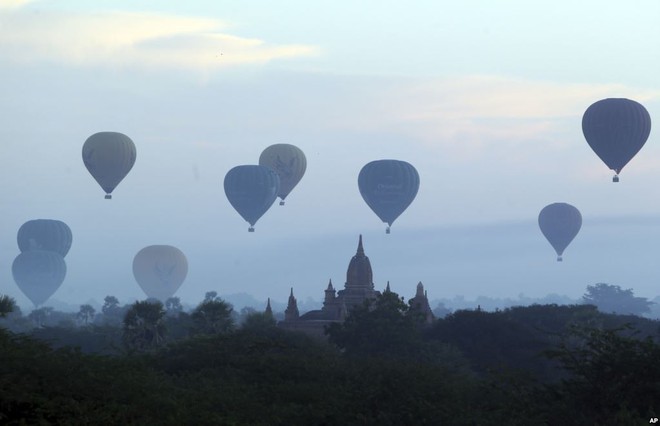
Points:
point(160, 270)
point(289, 163)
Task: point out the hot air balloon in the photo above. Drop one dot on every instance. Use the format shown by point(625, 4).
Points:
point(560, 223)
point(290, 164)
point(251, 190)
point(39, 274)
point(388, 187)
point(616, 129)
point(45, 234)
point(109, 156)
point(160, 270)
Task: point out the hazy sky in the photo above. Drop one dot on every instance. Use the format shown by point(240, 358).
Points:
point(484, 98)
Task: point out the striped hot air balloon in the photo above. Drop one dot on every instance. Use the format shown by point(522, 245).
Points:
point(38, 274)
point(388, 187)
point(251, 190)
point(616, 129)
point(560, 223)
point(109, 156)
point(45, 234)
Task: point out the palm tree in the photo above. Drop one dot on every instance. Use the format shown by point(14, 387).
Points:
point(144, 326)
point(213, 317)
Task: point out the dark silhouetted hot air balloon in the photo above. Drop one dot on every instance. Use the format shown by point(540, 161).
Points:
point(39, 274)
point(109, 156)
point(616, 129)
point(388, 187)
point(251, 190)
point(45, 234)
point(160, 270)
point(290, 164)
point(560, 223)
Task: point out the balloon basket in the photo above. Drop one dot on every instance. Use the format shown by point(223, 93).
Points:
point(559, 259)
point(108, 196)
point(615, 178)
point(250, 229)
point(282, 203)
point(387, 230)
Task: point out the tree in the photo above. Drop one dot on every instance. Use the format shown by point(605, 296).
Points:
point(381, 327)
point(144, 326)
point(612, 299)
point(213, 316)
point(210, 296)
point(7, 305)
point(173, 305)
point(110, 305)
point(614, 376)
point(86, 313)
point(245, 312)
point(40, 316)
point(441, 310)
point(113, 314)
point(258, 322)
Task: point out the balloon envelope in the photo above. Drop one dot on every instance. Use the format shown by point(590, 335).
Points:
point(388, 187)
point(109, 156)
point(160, 270)
point(251, 190)
point(616, 129)
point(45, 234)
point(560, 223)
point(39, 274)
point(289, 163)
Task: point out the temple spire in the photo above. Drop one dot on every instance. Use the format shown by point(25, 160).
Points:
point(330, 295)
point(359, 272)
point(420, 290)
point(269, 310)
point(420, 304)
point(291, 313)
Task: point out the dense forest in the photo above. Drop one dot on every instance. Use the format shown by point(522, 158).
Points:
point(153, 363)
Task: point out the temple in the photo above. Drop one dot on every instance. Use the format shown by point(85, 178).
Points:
point(337, 305)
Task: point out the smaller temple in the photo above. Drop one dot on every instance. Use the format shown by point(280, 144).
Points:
point(337, 305)
point(419, 305)
point(291, 313)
